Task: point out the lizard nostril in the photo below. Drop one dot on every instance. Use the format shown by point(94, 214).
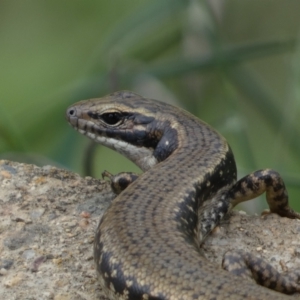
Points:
point(71, 112)
point(71, 115)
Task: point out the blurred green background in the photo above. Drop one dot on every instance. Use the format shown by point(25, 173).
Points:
point(234, 64)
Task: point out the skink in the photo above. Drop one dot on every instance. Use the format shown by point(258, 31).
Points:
point(147, 243)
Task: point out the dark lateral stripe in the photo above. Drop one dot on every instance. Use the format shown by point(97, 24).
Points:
point(156, 135)
point(136, 137)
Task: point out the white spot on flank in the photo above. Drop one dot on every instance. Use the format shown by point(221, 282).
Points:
point(184, 220)
point(167, 143)
point(111, 286)
point(129, 283)
point(190, 208)
point(114, 273)
point(221, 173)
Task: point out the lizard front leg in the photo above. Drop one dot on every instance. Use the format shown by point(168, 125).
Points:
point(120, 181)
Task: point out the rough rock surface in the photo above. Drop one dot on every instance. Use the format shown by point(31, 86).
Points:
point(48, 218)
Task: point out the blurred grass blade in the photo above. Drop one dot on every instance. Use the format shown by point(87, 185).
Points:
point(221, 59)
point(136, 27)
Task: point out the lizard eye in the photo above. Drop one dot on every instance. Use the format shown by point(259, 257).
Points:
point(111, 118)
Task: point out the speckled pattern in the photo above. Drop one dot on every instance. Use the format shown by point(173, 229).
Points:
point(146, 245)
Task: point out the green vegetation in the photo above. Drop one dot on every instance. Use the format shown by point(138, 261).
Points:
point(235, 64)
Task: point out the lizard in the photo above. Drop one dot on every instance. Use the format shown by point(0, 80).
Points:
point(147, 242)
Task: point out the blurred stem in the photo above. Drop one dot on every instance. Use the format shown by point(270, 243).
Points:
point(88, 159)
point(11, 134)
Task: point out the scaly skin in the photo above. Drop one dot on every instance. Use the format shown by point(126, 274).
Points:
point(147, 243)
